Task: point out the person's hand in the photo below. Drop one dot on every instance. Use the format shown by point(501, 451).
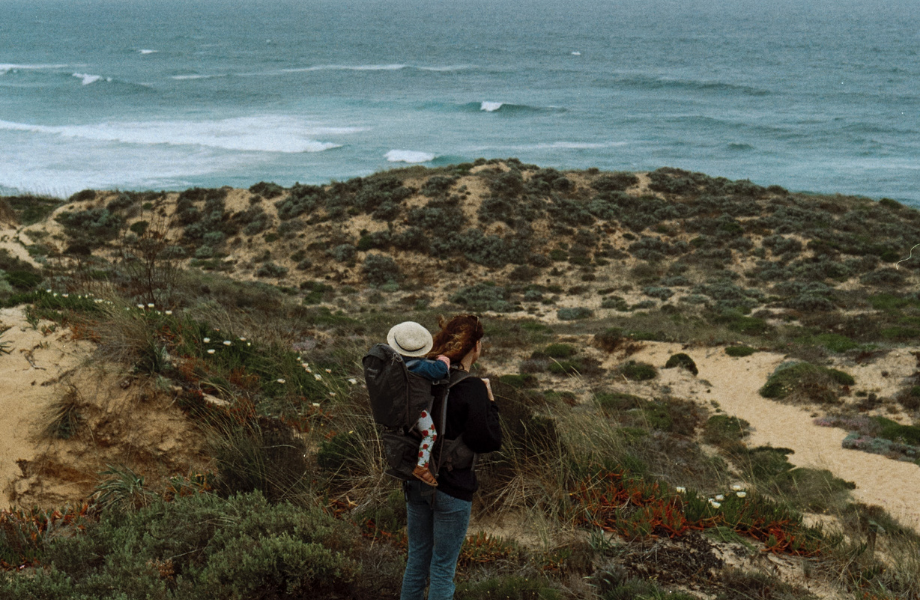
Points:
point(489, 389)
point(444, 360)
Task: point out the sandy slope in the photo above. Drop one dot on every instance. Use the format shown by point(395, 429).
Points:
point(890, 484)
point(28, 388)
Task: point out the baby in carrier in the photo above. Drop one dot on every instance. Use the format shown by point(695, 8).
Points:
point(413, 342)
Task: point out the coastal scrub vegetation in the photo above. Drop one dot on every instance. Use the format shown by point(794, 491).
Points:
point(251, 310)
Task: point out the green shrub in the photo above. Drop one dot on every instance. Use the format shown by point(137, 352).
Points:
point(239, 547)
point(638, 371)
point(725, 431)
point(560, 351)
point(379, 269)
point(615, 182)
point(683, 361)
point(270, 269)
point(575, 313)
point(618, 401)
point(483, 296)
point(508, 588)
point(894, 431)
point(616, 303)
point(739, 351)
point(267, 190)
point(23, 280)
point(805, 381)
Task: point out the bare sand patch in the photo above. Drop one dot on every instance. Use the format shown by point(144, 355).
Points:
point(893, 485)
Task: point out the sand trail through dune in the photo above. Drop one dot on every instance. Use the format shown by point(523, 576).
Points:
point(888, 483)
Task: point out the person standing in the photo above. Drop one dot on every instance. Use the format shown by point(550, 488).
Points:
point(438, 517)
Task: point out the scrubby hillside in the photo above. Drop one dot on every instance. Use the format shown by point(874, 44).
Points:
point(706, 386)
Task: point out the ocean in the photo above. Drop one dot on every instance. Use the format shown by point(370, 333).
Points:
point(812, 95)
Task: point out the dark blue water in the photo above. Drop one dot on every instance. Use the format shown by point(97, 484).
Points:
point(819, 96)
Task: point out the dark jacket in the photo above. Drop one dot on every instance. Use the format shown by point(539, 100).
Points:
point(471, 413)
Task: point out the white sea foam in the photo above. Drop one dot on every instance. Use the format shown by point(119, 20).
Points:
point(576, 53)
point(7, 67)
point(395, 67)
point(145, 51)
point(189, 77)
point(576, 145)
point(491, 106)
point(87, 79)
point(409, 156)
point(249, 134)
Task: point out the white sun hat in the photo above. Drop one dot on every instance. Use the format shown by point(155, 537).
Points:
point(410, 339)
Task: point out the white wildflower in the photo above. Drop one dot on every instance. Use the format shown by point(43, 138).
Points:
point(329, 370)
point(332, 394)
point(242, 339)
point(720, 497)
point(681, 490)
point(150, 305)
point(715, 504)
point(65, 295)
point(168, 312)
point(741, 494)
point(353, 381)
point(737, 488)
point(316, 404)
point(140, 306)
point(228, 343)
point(206, 340)
point(318, 376)
point(280, 380)
point(211, 351)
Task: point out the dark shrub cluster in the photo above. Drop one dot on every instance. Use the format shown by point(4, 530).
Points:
point(302, 199)
point(484, 296)
point(683, 361)
point(200, 546)
point(805, 381)
point(615, 182)
point(267, 189)
point(90, 228)
point(380, 269)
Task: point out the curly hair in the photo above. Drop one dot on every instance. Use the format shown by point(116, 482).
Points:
point(457, 337)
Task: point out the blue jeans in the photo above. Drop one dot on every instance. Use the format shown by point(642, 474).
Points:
point(436, 530)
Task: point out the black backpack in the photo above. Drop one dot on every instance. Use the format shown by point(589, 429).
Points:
point(397, 398)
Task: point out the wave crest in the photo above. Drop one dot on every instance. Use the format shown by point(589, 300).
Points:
point(247, 134)
point(409, 156)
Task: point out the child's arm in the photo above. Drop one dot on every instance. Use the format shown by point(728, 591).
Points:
point(430, 369)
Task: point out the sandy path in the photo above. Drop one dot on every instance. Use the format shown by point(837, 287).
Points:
point(26, 391)
point(890, 484)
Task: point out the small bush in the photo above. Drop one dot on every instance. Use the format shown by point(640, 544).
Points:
point(508, 588)
point(380, 269)
point(343, 253)
point(800, 380)
point(483, 296)
point(616, 303)
point(609, 339)
point(682, 361)
point(739, 351)
point(638, 371)
point(267, 190)
point(272, 270)
point(575, 313)
point(725, 431)
point(560, 351)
